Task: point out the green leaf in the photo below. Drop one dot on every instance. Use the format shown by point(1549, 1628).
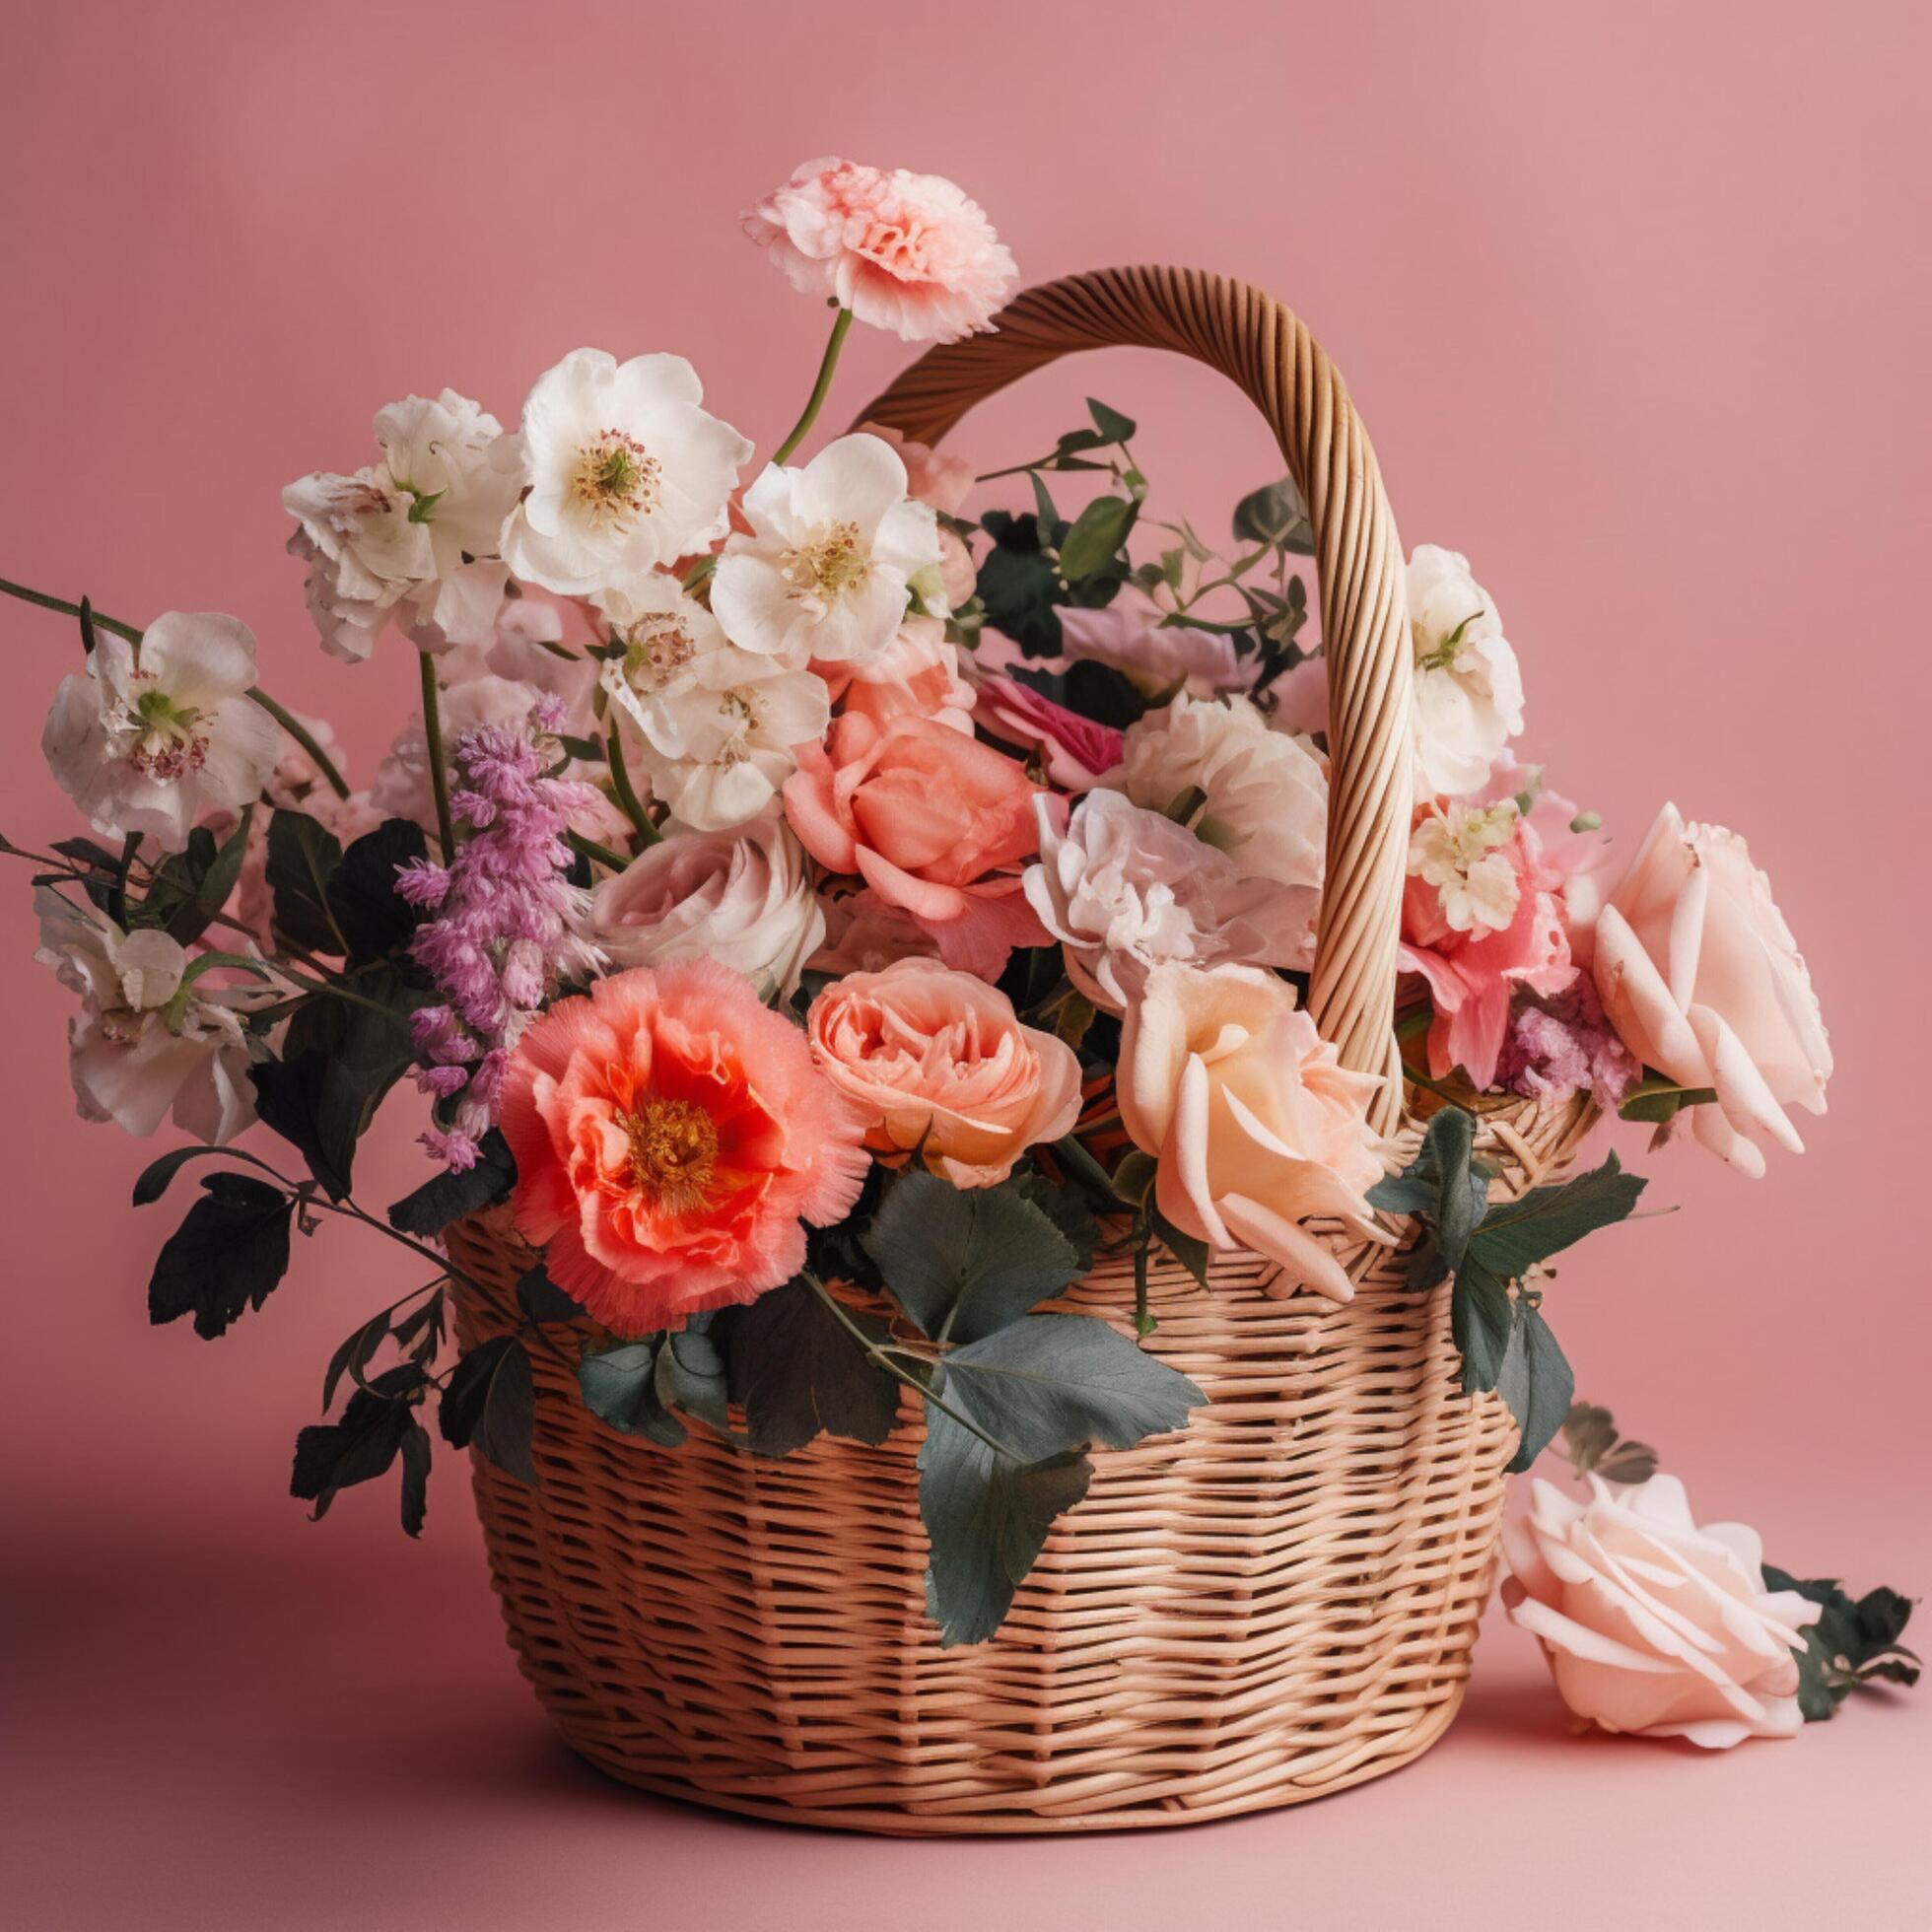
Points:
point(229, 1254)
point(1537, 1383)
point(153, 1179)
point(1111, 423)
point(1019, 585)
point(415, 1478)
point(363, 901)
point(1592, 1444)
point(1276, 516)
point(1191, 1254)
point(1066, 1209)
point(448, 1198)
point(1658, 1101)
point(1854, 1643)
point(620, 1387)
point(691, 1376)
point(1481, 1317)
point(965, 1262)
point(1443, 1187)
point(1515, 1236)
point(189, 888)
point(794, 1370)
point(1096, 539)
point(490, 1404)
point(302, 859)
point(1044, 506)
point(333, 1455)
point(542, 1300)
point(356, 1351)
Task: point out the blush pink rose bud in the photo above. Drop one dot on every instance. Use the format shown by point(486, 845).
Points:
point(906, 253)
point(1256, 1125)
point(938, 1060)
point(1653, 1625)
point(1700, 977)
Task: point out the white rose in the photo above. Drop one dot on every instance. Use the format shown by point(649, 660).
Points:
point(1469, 692)
point(742, 898)
point(1266, 793)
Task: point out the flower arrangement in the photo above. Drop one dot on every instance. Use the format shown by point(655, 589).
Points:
point(821, 922)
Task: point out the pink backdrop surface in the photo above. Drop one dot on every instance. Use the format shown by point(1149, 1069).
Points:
point(1634, 301)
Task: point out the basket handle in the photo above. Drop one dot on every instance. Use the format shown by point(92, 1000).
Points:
point(1260, 345)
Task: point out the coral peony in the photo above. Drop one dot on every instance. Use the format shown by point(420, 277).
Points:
point(906, 253)
point(938, 1060)
point(670, 1137)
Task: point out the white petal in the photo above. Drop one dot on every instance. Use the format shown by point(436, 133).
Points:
point(855, 480)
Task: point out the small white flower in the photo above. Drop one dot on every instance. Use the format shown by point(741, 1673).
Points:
point(715, 725)
point(835, 552)
point(625, 472)
point(150, 1038)
point(1457, 852)
point(413, 536)
point(1469, 691)
point(147, 741)
point(1265, 793)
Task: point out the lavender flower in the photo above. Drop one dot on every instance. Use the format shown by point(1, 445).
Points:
point(508, 920)
point(1561, 1045)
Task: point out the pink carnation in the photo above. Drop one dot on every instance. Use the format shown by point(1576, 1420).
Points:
point(1561, 1045)
point(906, 253)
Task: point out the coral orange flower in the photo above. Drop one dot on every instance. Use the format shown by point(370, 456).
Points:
point(670, 1135)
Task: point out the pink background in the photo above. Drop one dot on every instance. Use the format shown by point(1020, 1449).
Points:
point(1635, 302)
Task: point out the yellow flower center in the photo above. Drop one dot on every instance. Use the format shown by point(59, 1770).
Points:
point(616, 480)
point(827, 564)
point(673, 1152)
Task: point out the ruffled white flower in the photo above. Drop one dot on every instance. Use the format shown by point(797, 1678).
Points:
point(1265, 793)
point(625, 470)
point(151, 1038)
point(742, 898)
point(1457, 850)
point(715, 725)
point(1469, 692)
point(413, 536)
point(147, 741)
point(1125, 889)
point(835, 552)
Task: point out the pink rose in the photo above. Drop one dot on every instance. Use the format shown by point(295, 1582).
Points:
point(1256, 1125)
point(1130, 635)
point(1651, 1625)
point(931, 476)
point(864, 934)
point(934, 821)
point(1702, 979)
point(1581, 858)
point(906, 253)
point(916, 675)
point(938, 1060)
point(1076, 752)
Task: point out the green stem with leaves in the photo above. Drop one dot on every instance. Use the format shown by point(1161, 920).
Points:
point(820, 390)
point(285, 718)
point(445, 826)
point(628, 801)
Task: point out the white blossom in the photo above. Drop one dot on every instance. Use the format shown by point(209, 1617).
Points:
point(1457, 850)
point(1469, 691)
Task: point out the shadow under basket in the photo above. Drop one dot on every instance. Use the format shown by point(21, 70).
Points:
point(1274, 1603)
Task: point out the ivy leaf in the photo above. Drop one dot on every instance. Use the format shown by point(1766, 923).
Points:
point(446, 1196)
point(490, 1403)
point(1537, 1382)
point(1592, 1444)
point(691, 1376)
point(363, 901)
point(965, 1262)
point(227, 1255)
point(1853, 1642)
point(333, 1455)
point(620, 1387)
point(302, 859)
point(1515, 1236)
point(794, 1370)
point(1276, 516)
point(1111, 423)
point(1096, 539)
point(542, 1300)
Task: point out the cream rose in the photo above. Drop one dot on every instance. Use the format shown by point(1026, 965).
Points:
point(1703, 980)
point(1469, 691)
point(1256, 1125)
point(938, 1060)
point(742, 898)
point(1651, 1625)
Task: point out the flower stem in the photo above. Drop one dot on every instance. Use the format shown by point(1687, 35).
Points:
point(819, 389)
point(599, 854)
point(298, 731)
point(620, 781)
point(446, 826)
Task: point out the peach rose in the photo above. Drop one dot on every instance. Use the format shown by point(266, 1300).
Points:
point(1651, 1625)
point(915, 674)
point(671, 1134)
point(1254, 1121)
point(1702, 979)
point(932, 475)
point(938, 1062)
point(933, 820)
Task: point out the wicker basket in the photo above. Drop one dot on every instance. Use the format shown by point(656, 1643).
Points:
point(1279, 1601)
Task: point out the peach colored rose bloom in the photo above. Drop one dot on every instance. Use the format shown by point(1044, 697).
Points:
point(1255, 1123)
point(1702, 979)
point(916, 675)
point(671, 1134)
point(903, 251)
point(933, 820)
point(1651, 1625)
point(936, 1060)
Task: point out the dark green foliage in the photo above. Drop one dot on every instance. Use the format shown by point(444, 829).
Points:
point(376, 1424)
point(796, 1369)
point(490, 1404)
point(1854, 1643)
point(446, 1196)
point(227, 1255)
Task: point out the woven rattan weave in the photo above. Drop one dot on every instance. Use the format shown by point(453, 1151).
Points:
point(1275, 1603)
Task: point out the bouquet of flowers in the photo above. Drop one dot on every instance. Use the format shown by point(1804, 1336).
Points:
point(821, 923)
